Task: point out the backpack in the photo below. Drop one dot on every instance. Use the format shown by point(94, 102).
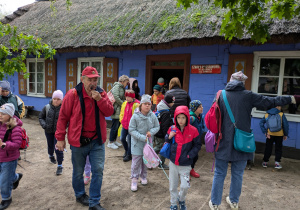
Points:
point(274, 122)
point(210, 141)
point(213, 122)
point(157, 114)
point(25, 140)
point(150, 158)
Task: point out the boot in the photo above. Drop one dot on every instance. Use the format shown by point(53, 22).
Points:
point(134, 183)
point(127, 158)
point(5, 204)
point(194, 174)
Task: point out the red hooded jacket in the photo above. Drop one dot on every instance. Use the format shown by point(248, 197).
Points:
point(187, 143)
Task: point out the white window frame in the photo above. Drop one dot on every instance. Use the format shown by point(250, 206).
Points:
point(90, 60)
point(35, 60)
point(255, 76)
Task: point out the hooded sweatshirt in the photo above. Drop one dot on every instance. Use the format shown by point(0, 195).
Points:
point(284, 123)
point(49, 121)
point(11, 150)
point(118, 92)
point(187, 143)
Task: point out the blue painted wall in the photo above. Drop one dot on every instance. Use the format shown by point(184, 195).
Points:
point(201, 86)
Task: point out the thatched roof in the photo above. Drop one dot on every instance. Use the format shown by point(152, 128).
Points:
point(103, 25)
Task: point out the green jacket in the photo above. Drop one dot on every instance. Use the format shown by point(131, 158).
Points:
point(11, 98)
point(118, 92)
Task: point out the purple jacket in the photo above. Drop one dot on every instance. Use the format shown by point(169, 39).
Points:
point(13, 143)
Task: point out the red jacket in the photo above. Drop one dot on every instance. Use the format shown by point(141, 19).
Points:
point(187, 143)
point(71, 113)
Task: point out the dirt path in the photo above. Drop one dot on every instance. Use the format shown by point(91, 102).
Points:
point(40, 188)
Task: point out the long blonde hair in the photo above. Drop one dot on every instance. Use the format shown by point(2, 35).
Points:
point(11, 123)
point(174, 82)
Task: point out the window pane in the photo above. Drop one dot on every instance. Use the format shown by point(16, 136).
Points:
point(292, 67)
point(31, 77)
point(268, 85)
point(40, 67)
point(97, 66)
point(40, 77)
point(269, 67)
point(31, 87)
point(291, 109)
point(40, 88)
point(291, 86)
point(31, 67)
point(83, 65)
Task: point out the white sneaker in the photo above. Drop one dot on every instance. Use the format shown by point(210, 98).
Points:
point(117, 144)
point(213, 207)
point(112, 146)
point(234, 206)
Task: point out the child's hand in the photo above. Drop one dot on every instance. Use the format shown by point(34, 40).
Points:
point(148, 134)
point(172, 134)
point(268, 136)
point(284, 138)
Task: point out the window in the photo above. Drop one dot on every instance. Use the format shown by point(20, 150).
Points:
point(36, 80)
point(276, 74)
point(96, 62)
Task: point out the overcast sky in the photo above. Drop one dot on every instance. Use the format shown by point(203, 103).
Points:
point(9, 6)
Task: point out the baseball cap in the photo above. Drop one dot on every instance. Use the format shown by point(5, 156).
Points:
point(90, 72)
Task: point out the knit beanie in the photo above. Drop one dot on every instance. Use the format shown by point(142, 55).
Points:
point(146, 99)
point(194, 105)
point(5, 85)
point(239, 76)
point(58, 94)
point(169, 98)
point(8, 108)
point(157, 87)
point(160, 80)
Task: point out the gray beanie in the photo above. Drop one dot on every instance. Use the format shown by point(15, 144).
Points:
point(146, 99)
point(5, 85)
point(8, 108)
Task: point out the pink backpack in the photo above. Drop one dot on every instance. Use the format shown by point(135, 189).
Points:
point(150, 157)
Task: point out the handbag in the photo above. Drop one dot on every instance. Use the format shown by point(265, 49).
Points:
point(243, 141)
point(150, 158)
point(111, 97)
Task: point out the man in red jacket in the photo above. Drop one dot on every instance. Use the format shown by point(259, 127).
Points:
point(83, 112)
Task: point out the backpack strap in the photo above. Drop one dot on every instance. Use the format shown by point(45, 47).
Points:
point(220, 124)
point(8, 131)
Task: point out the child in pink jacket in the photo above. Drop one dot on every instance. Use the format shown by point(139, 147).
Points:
point(10, 141)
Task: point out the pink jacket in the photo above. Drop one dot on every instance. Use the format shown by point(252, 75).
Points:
point(13, 143)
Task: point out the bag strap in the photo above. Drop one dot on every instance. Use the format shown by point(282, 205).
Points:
point(8, 131)
point(228, 107)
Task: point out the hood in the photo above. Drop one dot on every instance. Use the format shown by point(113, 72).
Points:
point(192, 114)
point(235, 86)
point(182, 110)
point(162, 105)
point(19, 122)
point(273, 111)
point(131, 80)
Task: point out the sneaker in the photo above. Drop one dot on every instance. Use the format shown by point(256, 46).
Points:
point(59, 170)
point(52, 160)
point(144, 181)
point(84, 199)
point(163, 166)
point(16, 183)
point(127, 158)
point(277, 165)
point(173, 208)
point(265, 164)
point(117, 144)
point(97, 207)
point(134, 183)
point(86, 179)
point(193, 173)
point(112, 146)
point(182, 205)
point(5, 203)
point(125, 154)
point(212, 206)
point(234, 206)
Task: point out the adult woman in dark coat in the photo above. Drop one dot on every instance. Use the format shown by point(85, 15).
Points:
point(241, 102)
point(181, 96)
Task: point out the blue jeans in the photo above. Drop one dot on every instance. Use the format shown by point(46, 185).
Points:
point(126, 145)
point(114, 130)
point(96, 154)
point(237, 171)
point(7, 177)
point(51, 141)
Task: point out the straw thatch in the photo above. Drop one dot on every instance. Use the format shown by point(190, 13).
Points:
point(109, 25)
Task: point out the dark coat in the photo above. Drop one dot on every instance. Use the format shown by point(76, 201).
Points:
point(49, 122)
point(241, 102)
point(182, 98)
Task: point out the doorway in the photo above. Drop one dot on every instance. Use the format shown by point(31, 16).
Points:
point(167, 67)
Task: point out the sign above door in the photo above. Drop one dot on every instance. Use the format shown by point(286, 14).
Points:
point(206, 69)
